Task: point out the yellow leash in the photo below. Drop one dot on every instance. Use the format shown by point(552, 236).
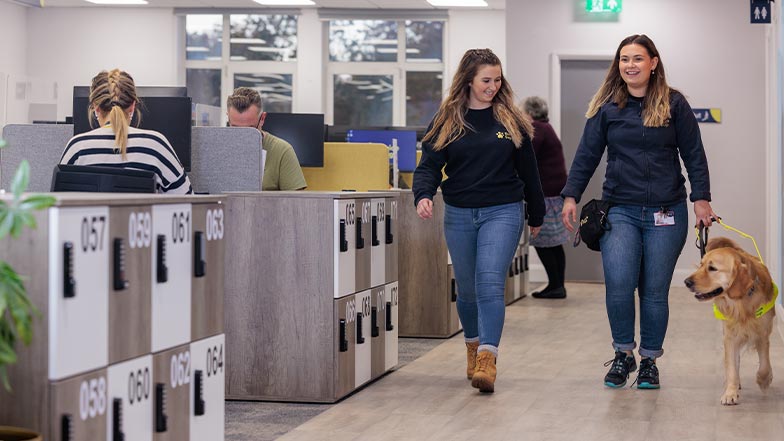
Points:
point(762, 309)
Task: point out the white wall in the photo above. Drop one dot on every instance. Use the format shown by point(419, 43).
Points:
point(71, 45)
point(710, 53)
point(13, 48)
point(472, 29)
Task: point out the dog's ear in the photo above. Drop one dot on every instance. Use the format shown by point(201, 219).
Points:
point(742, 281)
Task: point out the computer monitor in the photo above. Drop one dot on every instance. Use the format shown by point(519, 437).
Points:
point(304, 131)
point(406, 143)
point(164, 109)
point(91, 178)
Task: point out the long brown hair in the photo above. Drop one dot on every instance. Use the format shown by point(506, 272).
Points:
point(112, 93)
point(449, 123)
point(656, 104)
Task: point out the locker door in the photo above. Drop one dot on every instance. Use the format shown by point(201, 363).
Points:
point(344, 251)
point(78, 407)
point(207, 270)
point(130, 243)
point(454, 320)
point(378, 247)
point(130, 400)
point(390, 238)
point(378, 315)
point(345, 344)
point(363, 245)
point(171, 275)
point(171, 383)
point(208, 389)
point(391, 340)
point(362, 360)
point(78, 290)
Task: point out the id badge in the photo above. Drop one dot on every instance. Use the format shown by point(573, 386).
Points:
point(664, 218)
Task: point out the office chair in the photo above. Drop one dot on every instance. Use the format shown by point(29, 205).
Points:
point(90, 178)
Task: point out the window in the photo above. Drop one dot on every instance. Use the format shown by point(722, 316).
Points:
point(227, 51)
point(384, 72)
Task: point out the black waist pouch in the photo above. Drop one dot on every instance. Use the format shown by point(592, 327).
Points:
point(593, 223)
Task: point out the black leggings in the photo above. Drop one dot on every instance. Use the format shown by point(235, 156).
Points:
point(554, 261)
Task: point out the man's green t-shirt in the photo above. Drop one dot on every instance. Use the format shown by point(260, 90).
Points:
point(281, 167)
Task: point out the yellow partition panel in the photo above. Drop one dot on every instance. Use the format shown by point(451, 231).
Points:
point(350, 166)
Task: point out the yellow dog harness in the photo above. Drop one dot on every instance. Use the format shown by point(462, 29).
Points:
point(762, 310)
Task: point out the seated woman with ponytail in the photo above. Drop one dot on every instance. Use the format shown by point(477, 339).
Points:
point(117, 144)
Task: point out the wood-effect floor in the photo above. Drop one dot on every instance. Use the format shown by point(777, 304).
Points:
point(549, 386)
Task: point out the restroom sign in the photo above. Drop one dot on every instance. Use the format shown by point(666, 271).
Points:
point(760, 11)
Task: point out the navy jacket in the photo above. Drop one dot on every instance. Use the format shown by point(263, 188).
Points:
point(642, 162)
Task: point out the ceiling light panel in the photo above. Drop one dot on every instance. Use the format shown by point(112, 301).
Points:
point(458, 3)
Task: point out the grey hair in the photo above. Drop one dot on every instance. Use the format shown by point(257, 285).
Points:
point(536, 107)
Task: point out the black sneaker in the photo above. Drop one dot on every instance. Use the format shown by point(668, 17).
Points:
point(648, 377)
point(622, 366)
point(557, 293)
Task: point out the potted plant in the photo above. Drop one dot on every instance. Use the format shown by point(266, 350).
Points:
point(16, 310)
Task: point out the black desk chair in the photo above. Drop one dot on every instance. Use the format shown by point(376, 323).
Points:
point(102, 179)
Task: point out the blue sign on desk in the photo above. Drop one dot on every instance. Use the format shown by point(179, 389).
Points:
point(760, 11)
point(406, 142)
point(712, 115)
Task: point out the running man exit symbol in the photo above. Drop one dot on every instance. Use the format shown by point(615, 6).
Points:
point(760, 11)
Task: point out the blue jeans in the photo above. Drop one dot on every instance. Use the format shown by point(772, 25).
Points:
point(482, 242)
point(638, 254)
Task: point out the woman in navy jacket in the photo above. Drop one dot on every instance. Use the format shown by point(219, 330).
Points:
point(645, 126)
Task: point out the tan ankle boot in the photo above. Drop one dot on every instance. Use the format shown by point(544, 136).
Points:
point(471, 347)
point(484, 375)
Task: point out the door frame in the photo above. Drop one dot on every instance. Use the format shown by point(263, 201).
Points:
point(554, 99)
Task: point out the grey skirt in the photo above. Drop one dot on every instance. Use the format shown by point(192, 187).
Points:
point(553, 232)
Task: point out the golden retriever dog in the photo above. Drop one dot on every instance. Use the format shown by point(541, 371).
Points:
point(739, 285)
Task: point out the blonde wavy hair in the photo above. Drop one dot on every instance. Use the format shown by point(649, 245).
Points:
point(113, 93)
point(656, 103)
point(449, 123)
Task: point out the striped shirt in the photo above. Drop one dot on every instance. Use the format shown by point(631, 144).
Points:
point(147, 150)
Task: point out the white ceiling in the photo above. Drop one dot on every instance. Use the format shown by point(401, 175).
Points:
point(352, 4)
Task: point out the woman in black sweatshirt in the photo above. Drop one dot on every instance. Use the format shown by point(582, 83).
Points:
point(483, 143)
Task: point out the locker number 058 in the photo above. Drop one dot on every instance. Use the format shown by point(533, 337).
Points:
point(92, 398)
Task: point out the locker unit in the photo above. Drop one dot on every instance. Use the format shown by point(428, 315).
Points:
point(427, 307)
point(171, 389)
point(89, 372)
point(207, 274)
point(208, 383)
point(306, 325)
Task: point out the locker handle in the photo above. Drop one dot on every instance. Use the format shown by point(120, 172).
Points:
point(343, 339)
point(526, 262)
point(162, 271)
point(343, 241)
point(198, 393)
point(360, 338)
point(360, 239)
point(390, 237)
point(199, 254)
point(66, 427)
point(120, 283)
point(517, 265)
point(117, 433)
point(374, 235)
point(390, 326)
point(69, 283)
point(374, 322)
point(160, 408)
point(511, 271)
point(454, 290)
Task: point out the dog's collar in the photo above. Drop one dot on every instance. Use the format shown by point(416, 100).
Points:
point(762, 310)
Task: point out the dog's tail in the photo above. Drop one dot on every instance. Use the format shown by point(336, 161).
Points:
point(721, 242)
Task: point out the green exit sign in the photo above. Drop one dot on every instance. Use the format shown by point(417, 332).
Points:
point(603, 5)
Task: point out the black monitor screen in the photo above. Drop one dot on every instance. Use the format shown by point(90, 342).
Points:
point(164, 109)
point(304, 131)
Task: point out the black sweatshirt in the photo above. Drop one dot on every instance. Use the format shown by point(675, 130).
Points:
point(483, 167)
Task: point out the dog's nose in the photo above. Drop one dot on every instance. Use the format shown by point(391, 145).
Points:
point(688, 282)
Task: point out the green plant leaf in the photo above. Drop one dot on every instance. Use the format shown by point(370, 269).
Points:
point(37, 202)
point(3, 143)
point(28, 219)
point(6, 222)
point(4, 378)
point(7, 354)
point(21, 179)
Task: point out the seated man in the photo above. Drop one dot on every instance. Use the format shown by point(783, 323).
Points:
point(281, 166)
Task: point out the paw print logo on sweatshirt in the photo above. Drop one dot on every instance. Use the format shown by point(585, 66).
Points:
point(503, 135)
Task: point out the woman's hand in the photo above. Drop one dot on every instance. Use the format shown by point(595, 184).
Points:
point(535, 231)
point(569, 213)
point(425, 208)
point(704, 213)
